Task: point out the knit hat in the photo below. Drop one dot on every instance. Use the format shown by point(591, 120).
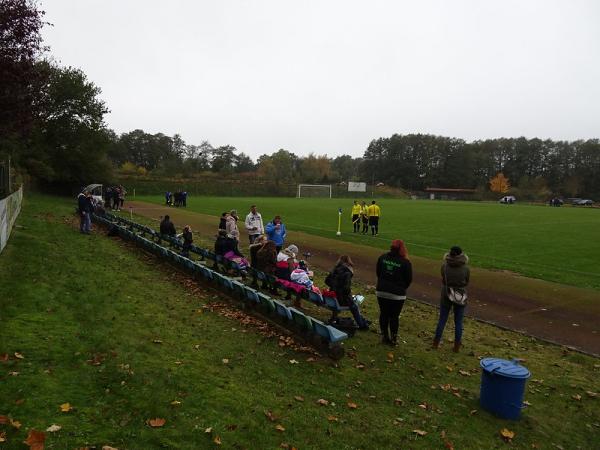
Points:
point(455, 251)
point(293, 249)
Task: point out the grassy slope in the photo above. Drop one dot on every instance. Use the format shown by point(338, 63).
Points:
point(556, 244)
point(66, 297)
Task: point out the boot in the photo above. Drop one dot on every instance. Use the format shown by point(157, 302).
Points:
point(436, 344)
point(394, 340)
point(457, 345)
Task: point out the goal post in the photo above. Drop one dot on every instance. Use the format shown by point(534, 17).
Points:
point(314, 190)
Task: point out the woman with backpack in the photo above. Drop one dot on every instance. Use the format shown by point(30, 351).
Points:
point(394, 276)
point(340, 281)
point(455, 279)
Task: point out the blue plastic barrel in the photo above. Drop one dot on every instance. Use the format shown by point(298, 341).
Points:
point(502, 387)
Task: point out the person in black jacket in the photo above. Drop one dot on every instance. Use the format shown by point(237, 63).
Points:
point(85, 209)
point(394, 275)
point(167, 227)
point(187, 241)
point(225, 244)
point(342, 275)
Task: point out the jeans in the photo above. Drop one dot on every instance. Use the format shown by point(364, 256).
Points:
point(459, 313)
point(85, 225)
point(389, 314)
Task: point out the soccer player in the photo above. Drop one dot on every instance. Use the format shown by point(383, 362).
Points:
point(364, 217)
point(374, 212)
point(356, 216)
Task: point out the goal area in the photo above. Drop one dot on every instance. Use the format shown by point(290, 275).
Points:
point(313, 190)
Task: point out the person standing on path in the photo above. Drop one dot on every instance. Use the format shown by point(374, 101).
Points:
point(455, 275)
point(85, 208)
point(374, 211)
point(254, 224)
point(394, 276)
point(355, 216)
point(276, 232)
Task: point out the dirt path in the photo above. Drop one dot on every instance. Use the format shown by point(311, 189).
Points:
point(563, 314)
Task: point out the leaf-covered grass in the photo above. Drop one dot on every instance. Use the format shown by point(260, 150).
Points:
point(555, 244)
point(85, 312)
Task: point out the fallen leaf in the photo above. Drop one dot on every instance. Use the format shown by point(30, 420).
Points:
point(35, 440)
point(15, 424)
point(175, 403)
point(398, 401)
point(279, 428)
point(19, 355)
point(4, 357)
point(157, 422)
point(506, 434)
point(332, 418)
point(217, 440)
point(270, 416)
point(352, 405)
point(591, 394)
point(231, 427)
point(450, 369)
point(2, 436)
point(53, 428)
point(423, 406)
point(464, 373)
point(420, 432)
point(208, 430)
point(526, 403)
point(576, 397)
point(298, 398)
point(157, 341)
point(3, 420)
point(390, 355)
point(225, 361)
point(293, 361)
point(473, 411)
point(66, 407)
point(323, 402)
point(13, 374)
point(20, 401)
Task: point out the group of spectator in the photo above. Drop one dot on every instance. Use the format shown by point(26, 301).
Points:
point(114, 197)
point(178, 198)
point(270, 254)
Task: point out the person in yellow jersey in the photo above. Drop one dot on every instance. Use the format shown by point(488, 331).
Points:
point(356, 216)
point(364, 217)
point(374, 212)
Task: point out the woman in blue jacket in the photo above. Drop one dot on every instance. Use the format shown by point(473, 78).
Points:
point(276, 232)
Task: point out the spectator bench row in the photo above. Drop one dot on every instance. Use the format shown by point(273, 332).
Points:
point(322, 336)
point(269, 282)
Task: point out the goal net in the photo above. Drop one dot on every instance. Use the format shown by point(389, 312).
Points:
point(314, 190)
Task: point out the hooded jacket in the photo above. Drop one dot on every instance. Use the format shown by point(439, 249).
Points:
point(277, 236)
point(455, 271)
point(394, 276)
point(231, 226)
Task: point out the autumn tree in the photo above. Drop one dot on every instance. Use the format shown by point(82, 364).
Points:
point(499, 183)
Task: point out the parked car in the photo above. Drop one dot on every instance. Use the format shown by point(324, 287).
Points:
point(508, 199)
point(583, 202)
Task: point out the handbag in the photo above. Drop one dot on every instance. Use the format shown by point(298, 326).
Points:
point(455, 295)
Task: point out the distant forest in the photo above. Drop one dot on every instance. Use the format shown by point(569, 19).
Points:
point(52, 127)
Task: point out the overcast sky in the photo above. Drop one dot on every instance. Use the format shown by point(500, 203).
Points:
point(329, 76)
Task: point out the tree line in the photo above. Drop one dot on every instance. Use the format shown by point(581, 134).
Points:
point(52, 126)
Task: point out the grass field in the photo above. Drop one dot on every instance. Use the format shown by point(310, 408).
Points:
point(556, 244)
point(98, 324)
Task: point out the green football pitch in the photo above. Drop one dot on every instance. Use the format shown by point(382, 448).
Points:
point(555, 244)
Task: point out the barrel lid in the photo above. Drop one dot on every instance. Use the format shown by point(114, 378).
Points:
point(503, 367)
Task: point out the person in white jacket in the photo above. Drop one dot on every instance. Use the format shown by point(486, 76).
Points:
point(254, 224)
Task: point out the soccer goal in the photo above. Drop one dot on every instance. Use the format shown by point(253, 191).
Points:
point(314, 190)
